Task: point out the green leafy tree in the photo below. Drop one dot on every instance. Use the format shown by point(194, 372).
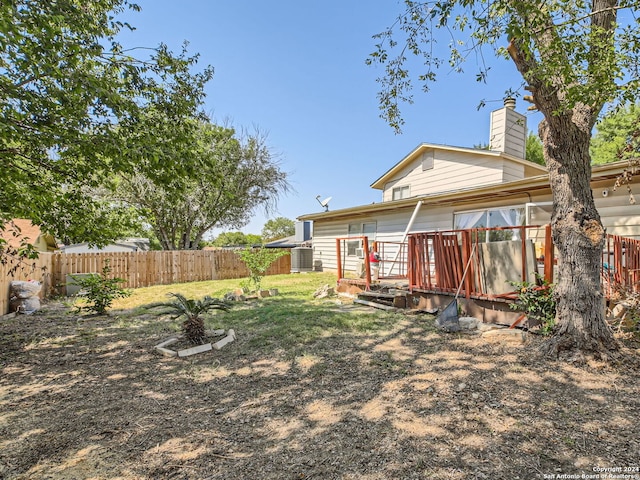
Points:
point(613, 133)
point(276, 228)
point(226, 178)
point(67, 92)
point(258, 261)
point(534, 149)
point(631, 153)
point(236, 238)
point(573, 58)
point(252, 239)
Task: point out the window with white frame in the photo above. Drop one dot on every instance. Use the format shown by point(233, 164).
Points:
point(399, 193)
point(365, 229)
point(538, 214)
point(490, 218)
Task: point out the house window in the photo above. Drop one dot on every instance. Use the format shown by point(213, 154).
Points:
point(400, 192)
point(352, 246)
point(490, 218)
point(360, 230)
point(427, 160)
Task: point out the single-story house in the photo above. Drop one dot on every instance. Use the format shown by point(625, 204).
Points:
point(301, 238)
point(19, 230)
point(126, 245)
point(441, 187)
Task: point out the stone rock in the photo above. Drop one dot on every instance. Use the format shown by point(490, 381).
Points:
point(505, 335)
point(192, 351)
point(400, 301)
point(231, 336)
point(618, 311)
point(348, 290)
point(485, 327)
point(274, 292)
point(167, 342)
point(264, 293)
point(461, 386)
point(468, 323)
point(324, 292)
point(166, 352)
point(234, 296)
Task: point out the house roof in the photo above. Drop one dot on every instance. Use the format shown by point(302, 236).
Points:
point(87, 247)
point(469, 195)
point(286, 242)
point(20, 229)
point(389, 174)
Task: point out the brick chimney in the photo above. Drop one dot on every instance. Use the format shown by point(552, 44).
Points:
point(508, 130)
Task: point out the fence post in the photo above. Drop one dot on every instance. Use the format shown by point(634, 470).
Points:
point(466, 261)
point(411, 261)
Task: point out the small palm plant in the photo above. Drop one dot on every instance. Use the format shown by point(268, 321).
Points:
point(192, 310)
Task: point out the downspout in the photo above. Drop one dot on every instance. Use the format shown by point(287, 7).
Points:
point(406, 234)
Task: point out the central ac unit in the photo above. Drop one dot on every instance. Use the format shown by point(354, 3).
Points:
point(301, 259)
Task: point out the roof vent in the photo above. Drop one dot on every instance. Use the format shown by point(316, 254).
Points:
point(510, 102)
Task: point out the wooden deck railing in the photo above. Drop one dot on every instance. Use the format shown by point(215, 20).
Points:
point(620, 266)
point(448, 261)
point(437, 261)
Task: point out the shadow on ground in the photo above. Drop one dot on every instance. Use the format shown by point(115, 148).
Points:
point(384, 397)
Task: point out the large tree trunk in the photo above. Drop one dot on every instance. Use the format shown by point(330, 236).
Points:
point(578, 235)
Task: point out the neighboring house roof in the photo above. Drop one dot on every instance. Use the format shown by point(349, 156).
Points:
point(127, 245)
point(416, 152)
point(20, 229)
point(112, 247)
point(519, 187)
point(287, 242)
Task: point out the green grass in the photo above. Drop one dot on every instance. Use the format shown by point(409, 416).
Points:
point(289, 321)
point(293, 285)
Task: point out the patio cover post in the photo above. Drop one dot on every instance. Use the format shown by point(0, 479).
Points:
point(367, 264)
point(339, 258)
point(406, 233)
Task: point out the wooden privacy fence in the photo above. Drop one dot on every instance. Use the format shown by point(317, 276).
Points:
point(138, 269)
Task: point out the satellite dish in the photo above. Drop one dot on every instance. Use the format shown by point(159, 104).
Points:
point(324, 203)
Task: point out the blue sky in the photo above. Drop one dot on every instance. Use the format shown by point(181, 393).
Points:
point(296, 70)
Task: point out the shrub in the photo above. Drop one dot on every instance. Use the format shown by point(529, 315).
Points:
point(99, 290)
point(192, 310)
point(536, 300)
point(258, 261)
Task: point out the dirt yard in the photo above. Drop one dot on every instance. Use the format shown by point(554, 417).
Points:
point(89, 398)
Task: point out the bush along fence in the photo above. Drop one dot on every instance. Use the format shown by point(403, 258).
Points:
point(138, 269)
